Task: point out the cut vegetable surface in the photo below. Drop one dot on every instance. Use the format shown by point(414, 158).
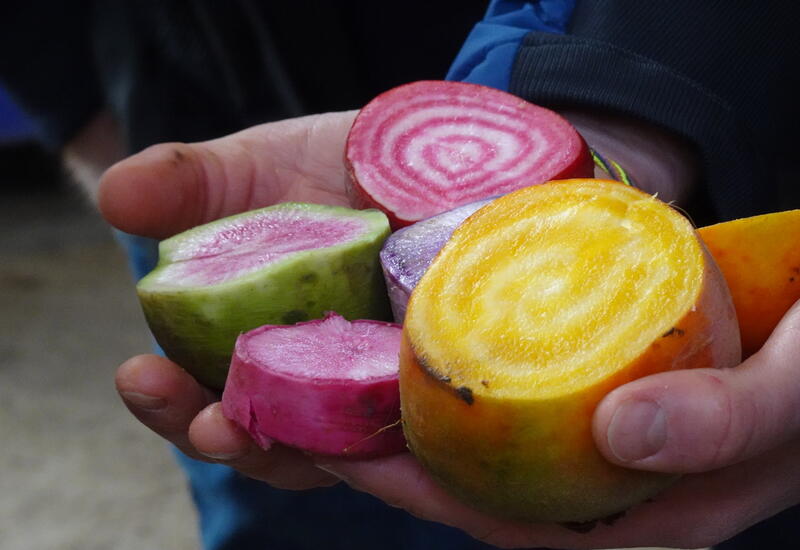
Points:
point(428, 147)
point(540, 304)
point(760, 258)
point(327, 387)
point(278, 265)
point(407, 253)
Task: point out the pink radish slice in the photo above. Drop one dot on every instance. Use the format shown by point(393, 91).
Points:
point(326, 386)
point(407, 253)
point(430, 146)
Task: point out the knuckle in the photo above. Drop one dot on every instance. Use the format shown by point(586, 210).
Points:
point(728, 426)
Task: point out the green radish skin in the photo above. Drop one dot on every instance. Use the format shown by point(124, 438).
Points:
point(197, 325)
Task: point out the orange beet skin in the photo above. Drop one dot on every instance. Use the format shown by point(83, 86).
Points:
point(760, 258)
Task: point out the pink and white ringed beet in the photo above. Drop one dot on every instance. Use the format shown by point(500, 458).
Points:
point(408, 252)
point(327, 386)
point(430, 146)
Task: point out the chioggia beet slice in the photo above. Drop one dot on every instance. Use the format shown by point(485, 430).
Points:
point(760, 258)
point(428, 147)
point(539, 305)
point(278, 265)
point(408, 252)
point(326, 386)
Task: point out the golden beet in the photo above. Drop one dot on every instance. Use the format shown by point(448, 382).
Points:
point(540, 304)
point(760, 258)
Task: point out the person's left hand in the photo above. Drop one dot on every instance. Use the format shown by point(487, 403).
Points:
point(172, 187)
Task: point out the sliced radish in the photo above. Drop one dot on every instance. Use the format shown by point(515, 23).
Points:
point(428, 147)
point(326, 386)
point(407, 253)
point(278, 265)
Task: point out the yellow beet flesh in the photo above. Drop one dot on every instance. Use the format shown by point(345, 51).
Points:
point(760, 258)
point(540, 304)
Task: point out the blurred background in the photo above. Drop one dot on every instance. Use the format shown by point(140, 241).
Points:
point(76, 470)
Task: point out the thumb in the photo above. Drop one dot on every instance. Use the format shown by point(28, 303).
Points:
point(699, 420)
point(172, 187)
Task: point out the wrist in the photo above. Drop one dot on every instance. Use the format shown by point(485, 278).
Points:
point(657, 160)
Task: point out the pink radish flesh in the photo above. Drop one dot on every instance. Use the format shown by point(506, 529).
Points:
point(430, 146)
point(224, 253)
point(325, 386)
point(407, 253)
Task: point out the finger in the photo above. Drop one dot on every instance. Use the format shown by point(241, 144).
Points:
point(163, 396)
point(171, 187)
point(699, 420)
point(400, 481)
point(222, 441)
point(699, 511)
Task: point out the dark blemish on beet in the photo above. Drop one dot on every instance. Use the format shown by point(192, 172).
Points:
point(485, 383)
point(294, 316)
point(586, 526)
point(432, 373)
point(356, 274)
point(309, 278)
point(579, 526)
point(613, 518)
point(466, 394)
point(791, 279)
point(674, 331)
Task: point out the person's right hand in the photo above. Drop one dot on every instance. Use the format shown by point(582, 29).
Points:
point(172, 187)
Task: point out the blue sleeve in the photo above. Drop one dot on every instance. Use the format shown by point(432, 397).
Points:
point(489, 52)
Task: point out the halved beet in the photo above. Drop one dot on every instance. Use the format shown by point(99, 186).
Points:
point(327, 387)
point(428, 147)
point(278, 265)
point(407, 253)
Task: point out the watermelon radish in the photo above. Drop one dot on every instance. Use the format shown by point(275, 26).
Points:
point(408, 252)
point(279, 265)
point(427, 147)
point(326, 386)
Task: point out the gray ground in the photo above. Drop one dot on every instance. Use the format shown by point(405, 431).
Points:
point(76, 470)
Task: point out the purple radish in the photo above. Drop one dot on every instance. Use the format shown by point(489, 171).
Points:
point(327, 386)
point(428, 147)
point(278, 265)
point(407, 253)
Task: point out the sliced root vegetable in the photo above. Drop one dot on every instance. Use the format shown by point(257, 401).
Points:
point(539, 305)
point(278, 265)
point(428, 147)
point(327, 387)
point(407, 253)
point(760, 258)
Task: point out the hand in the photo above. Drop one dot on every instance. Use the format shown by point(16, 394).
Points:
point(734, 432)
point(741, 432)
point(171, 187)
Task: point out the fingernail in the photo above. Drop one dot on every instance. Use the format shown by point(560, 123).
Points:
point(637, 430)
point(330, 469)
point(144, 402)
point(334, 472)
point(223, 456)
